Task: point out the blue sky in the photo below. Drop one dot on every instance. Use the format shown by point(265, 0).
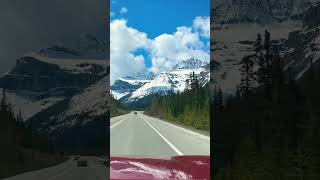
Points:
point(160, 16)
point(151, 21)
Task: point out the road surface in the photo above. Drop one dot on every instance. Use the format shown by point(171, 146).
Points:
point(141, 135)
point(67, 171)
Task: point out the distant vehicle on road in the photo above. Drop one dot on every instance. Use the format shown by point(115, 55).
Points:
point(82, 162)
point(135, 112)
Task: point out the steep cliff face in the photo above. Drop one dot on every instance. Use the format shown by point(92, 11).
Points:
point(304, 44)
point(293, 26)
point(63, 94)
point(259, 11)
point(312, 16)
point(37, 73)
point(77, 121)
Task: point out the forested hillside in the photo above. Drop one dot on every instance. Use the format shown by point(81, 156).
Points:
point(190, 108)
point(269, 129)
point(21, 147)
point(116, 108)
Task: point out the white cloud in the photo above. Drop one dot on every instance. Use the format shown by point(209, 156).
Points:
point(112, 14)
point(170, 49)
point(123, 42)
point(166, 50)
point(124, 64)
point(123, 10)
point(202, 24)
point(124, 38)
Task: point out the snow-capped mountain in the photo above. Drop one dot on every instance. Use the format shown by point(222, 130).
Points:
point(141, 76)
point(236, 28)
point(81, 109)
point(36, 72)
point(92, 100)
point(160, 85)
point(126, 85)
point(28, 102)
point(60, 93)
point(37, 81)
point(191, 63)
point(174, 80)
point(122, 87)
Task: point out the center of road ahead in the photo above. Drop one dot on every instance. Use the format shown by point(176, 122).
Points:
point(165, 139)
point(141, 135)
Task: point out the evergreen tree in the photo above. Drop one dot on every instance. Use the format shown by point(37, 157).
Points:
point(264, 64)
point(277, 78)
point(190, 107)
point(187, 85)
point(220, 100)
point(259, 57)
point(268, 62)
point(258, 48)
point(19, 119)
point(247, 74)
point(3, 101)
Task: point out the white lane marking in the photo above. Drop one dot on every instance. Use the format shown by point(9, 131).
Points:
point(183, 129)
point(117, 123)
point(165, 139)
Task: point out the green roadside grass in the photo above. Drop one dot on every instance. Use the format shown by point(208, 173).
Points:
point(180, 124)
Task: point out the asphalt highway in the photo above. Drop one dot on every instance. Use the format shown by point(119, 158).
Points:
point(144, 136)
point(69, 170)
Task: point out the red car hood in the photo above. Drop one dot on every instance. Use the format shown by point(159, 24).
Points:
point(178, 167)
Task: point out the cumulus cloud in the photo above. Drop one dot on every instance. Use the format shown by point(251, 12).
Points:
point(124, 41)
point(170, 49)
point(202, 24)
point(165, 50)
point(123, 10)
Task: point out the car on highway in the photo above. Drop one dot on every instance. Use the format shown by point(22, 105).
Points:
point(82, 162)
point(177, 167)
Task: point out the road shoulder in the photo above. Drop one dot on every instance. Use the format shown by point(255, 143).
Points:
point(202, 132)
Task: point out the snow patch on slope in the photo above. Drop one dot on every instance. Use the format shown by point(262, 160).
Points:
point(91, 101)
point(74, 65)
point(118, 95)
point(174, 80)
point(234, 41)
point(28, 105)
point(160, 85)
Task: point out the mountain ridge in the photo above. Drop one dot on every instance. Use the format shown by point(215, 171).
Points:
point(172, 80)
